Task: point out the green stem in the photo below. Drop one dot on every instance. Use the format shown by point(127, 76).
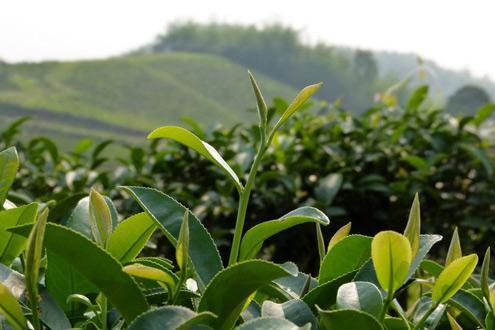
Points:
point(34, 309)
point(182, 278)
point(243, 203)
point(321, 242)
point(104, 306)
point(386, 305)
point(419, 325)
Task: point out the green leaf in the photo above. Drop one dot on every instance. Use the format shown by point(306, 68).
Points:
point(100, 268)
point(363, 296)
point(269, 323)
point(294, 310)
point(152, 273)
point(170, 317)
point(130, 237)
point(453, 278)
point(347, 255)
point(328, 187)
point(226, 295)
point(182, 248)
point(395, 323)
point(479, 155)
point(9, 164)
point(391, 255)
point(34, 251)
point(100, 218)
point(254, 238)
point(485, 270)
point(483, 114)
point(298, 101)
point(455, 251)
point(417, 98)
point(11, 309)
point(12, 245)
point(339, 235)
point(325, 295)
point(423, 306)
point(348, 319)
point(261, 104)
point(453, 323)
point(190, 140)
point(168, 214)
point(413, 227)
point(470, 305)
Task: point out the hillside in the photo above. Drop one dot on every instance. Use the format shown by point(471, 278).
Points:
point(128, 95)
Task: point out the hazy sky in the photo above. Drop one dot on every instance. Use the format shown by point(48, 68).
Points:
point(456, 34)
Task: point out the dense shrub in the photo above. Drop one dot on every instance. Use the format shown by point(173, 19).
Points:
point(88, 270)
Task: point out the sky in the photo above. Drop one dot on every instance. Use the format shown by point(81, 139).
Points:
point(456, 34)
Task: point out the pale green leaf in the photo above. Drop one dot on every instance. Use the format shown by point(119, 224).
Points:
point(261, 104)
point(182, 248)
point(339, 235)
point(453, 278)
point(9, 164)
point(254, 237)
point(100, 218)
point(413, 227)
point(298, 101)
point(392, 257)
point(455, 251)
point(152, 273)
point(11, 309)
point(190, 140)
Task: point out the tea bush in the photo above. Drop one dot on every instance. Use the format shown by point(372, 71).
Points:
point(88, 270)
point(362, 168)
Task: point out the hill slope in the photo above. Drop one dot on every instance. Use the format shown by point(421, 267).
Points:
point(130, 94)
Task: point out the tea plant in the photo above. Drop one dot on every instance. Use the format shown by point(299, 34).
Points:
point(88, 272)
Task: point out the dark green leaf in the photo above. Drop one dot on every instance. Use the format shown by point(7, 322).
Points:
point(348, 319)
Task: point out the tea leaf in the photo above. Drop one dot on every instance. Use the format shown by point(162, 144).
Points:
point(346, 256)
point(348, 319)
point(453, 278)
point(483, 114)
point(453, 323)
point(339, 235)
point(226, 295)
point(9, 164)
point(413, 227)
point(190, 140)
point(392, 256)
point(101, 268)
point(417, 98)
point(11, 309)
point(11, 245)
point(100, 218)
point(294, 310)
point(130, 237)
point(470, 305)
point(298, 101)
point(151, 273)
point(34, 251)
point(182, 248)
point(485, 271)
point(455, 251)
point(254, 237)
point(168, 215)
point(363, 296)
point(261, 104)
point(324, 295)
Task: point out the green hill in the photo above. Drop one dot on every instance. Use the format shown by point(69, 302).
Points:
point(129, 95)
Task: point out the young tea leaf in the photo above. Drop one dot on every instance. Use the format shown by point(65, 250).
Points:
point(9, 164)
point(455, 251)
point(182, 248)
point(261, 104)
point(100, 218)
point(453, 323)
point(413, 227)
point(254, 238)
point(154, 274)
point(34, 251)
point(190, 140)
point(298, 101)
point(485, 271)
point(392, 256)
point(339, 235)
point(453, 278)
point(11, 309)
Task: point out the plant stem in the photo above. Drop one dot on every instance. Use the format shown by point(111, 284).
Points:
point(386, 304)
point(179, 285)
point(243, 203)
point(321, 242)
point(103, 311)
point(419, 325)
